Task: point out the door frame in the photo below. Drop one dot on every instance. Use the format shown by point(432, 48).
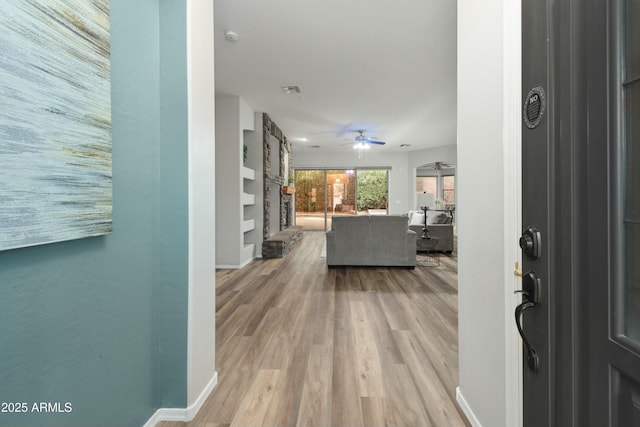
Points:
point(512, 188)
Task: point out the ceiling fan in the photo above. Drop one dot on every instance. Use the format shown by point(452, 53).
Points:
point(361, 139)
point(438, 166)
point(362, 142)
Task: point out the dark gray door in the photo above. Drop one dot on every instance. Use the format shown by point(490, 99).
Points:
point(581, 193)
point(614, 285)
point(537, 145)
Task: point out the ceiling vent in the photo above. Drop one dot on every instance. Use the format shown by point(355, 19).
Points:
point(291, 89)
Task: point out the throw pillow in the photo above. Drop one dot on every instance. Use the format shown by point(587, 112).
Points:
point(417, 219)
point(436, 218)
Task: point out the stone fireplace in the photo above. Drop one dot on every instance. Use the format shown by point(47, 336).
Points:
point(278, 207)
point(286, 213)
point(280, 235)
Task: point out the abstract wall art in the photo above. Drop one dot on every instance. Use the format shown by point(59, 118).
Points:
point(55, 121)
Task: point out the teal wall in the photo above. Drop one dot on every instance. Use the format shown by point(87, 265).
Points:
point(102, 322)
point(174, 199)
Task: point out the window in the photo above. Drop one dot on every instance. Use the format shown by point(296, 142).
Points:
point(427, 191)
point(373, 191)
point(427, 184)
point(449, 189)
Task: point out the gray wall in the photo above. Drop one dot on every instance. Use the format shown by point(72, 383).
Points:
point(229, 184)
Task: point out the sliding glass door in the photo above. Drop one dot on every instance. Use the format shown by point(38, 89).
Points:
point(322, 193)
point(310, 199)
point(373, 191)
point(341, 192)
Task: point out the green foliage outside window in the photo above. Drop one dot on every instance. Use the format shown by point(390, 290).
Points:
point(309, 190)
point(372, 189)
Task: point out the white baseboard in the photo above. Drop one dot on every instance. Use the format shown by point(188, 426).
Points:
point(183, 414)
point(154, 420)
point(234, 266)
point(466, 409)
point(228, 267)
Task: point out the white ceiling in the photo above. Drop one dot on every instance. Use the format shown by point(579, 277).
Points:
point(385, 66)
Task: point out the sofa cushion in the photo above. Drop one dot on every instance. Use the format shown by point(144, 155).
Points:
point(417, 218)
point(349, 221)
point(436, 218)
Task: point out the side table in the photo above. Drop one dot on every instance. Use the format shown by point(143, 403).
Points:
point(426, 245)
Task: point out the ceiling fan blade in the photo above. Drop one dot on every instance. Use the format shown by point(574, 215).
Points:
point(348, 143)
point(344, 129)
point(376, 142)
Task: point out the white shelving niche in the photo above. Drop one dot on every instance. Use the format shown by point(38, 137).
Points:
point(248, 223)
point(238, 207)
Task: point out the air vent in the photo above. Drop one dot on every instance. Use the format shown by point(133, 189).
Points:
point(291, 89)
point(314, 146)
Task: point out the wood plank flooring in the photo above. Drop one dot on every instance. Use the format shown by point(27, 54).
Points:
point(300, 345)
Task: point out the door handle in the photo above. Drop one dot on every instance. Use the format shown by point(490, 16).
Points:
point(531, 287)
point(533, 361)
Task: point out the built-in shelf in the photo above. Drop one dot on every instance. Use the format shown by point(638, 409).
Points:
point(248, 199)
point(248, 225)
point(239, 169)
point(248, 173)
point(288, 189)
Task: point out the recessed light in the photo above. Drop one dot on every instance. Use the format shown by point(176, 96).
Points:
point(301, 139)
point(314, 146)
point(405, 145)
point(231, 36)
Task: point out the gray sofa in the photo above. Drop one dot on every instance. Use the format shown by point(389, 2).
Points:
point(439, 224)
point(371, 240)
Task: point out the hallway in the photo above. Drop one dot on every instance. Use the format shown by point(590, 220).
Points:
point(300, 345)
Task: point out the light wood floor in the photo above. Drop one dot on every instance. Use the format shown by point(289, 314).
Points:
point(300, 345)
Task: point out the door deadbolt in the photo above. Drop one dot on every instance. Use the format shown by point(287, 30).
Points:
point(530, 242)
